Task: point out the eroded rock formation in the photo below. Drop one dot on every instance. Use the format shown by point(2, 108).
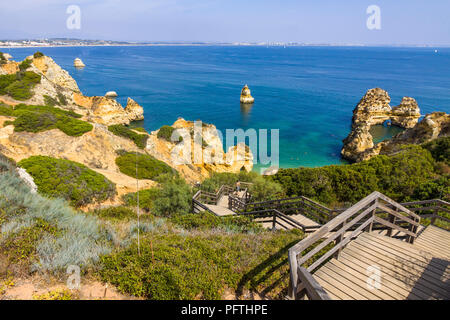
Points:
point(77, 63)
point(57, 84)
point(196, 158)
point(374, 108)
point(246, 96)
point(432, 126)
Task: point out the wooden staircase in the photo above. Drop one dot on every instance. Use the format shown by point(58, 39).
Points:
point(346, 259)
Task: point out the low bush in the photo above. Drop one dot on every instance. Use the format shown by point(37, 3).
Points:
point(45, 234)
point(439, 149)
point(205, 221)
point(6, 110)
point(175, 266)
point(19, 86)
point(122, 131)
point(68, 180)
point(148, 166)
point(2, 59)
point(396, 176)
point(146, 198)
point(41, 118)
point(165, 132)
point(25, 64)
point(38, 54)
point(115, 213)
point(175, 197)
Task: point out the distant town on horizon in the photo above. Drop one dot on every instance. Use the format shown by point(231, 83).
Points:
point(50, 42)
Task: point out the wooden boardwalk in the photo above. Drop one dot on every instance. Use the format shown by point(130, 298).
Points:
point(346, 259)
point(406, 270)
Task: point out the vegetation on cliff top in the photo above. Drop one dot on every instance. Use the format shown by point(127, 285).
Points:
point(147, 166)
point(42, 234)
point(19, 85)
point(165, 132)
point(33, 118)
point(201, 265)
point(399, 176)
point(122, 131)
point(69, 180)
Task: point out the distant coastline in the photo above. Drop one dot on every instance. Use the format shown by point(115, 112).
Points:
point(53, 43)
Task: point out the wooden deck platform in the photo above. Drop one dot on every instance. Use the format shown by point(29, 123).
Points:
point(418, 271)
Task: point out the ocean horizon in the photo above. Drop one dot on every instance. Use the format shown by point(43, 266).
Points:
point(308, 93)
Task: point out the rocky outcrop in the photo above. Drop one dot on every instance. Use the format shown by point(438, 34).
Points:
point(134, 110)
point(195, 158)
point(246, 96)
point(77, 63)
point(57, 84)
point(54, 73)
point(95, 149)
point(374, 108)
point(432, 126)
point(111, 94)
point(9, 67)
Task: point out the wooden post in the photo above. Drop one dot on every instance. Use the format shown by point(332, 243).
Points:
point(433, 218)
point(293, 283)
point(274, 221)
point(391, 220)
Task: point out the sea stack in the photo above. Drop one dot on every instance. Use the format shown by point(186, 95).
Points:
point(77, 63)
point(246, 97)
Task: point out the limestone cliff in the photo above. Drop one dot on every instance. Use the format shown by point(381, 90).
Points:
point(196, 158)
point(134, 110)
point(374, 108)
point(432, 126)
point(57, 84)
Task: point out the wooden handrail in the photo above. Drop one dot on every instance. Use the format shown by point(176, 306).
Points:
point(363, 215)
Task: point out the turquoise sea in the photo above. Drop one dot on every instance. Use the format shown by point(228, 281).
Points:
point(308, 93)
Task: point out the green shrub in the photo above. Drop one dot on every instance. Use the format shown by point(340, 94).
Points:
point(38, 54)
point(68, 179)
point(49, 101)
point(440, 149)
point(41, 118)
point(396, 176)
point(19, 85)
point(265, 189)
point(146, 198)
point(205, 221)
point(6, 110)
point(62, 99)
point(173, 266)
point(140, 129)
point(175, 197)
point(45, 234)
point(2, 59)
point(148, 166)
point(165, 132)
point(122, 131)
point(115, 213)
point(25, 64)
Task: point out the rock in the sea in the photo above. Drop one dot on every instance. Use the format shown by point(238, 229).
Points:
point(134, 110)
point(246, 96)
point(77, 63)
point(374, 108)
point(7, 56)
point(111, 94)
point(432, 126)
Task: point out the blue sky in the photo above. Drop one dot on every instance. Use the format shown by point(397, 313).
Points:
point(307, 21)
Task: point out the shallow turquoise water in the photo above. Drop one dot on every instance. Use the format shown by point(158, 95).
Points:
point(306, 92)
